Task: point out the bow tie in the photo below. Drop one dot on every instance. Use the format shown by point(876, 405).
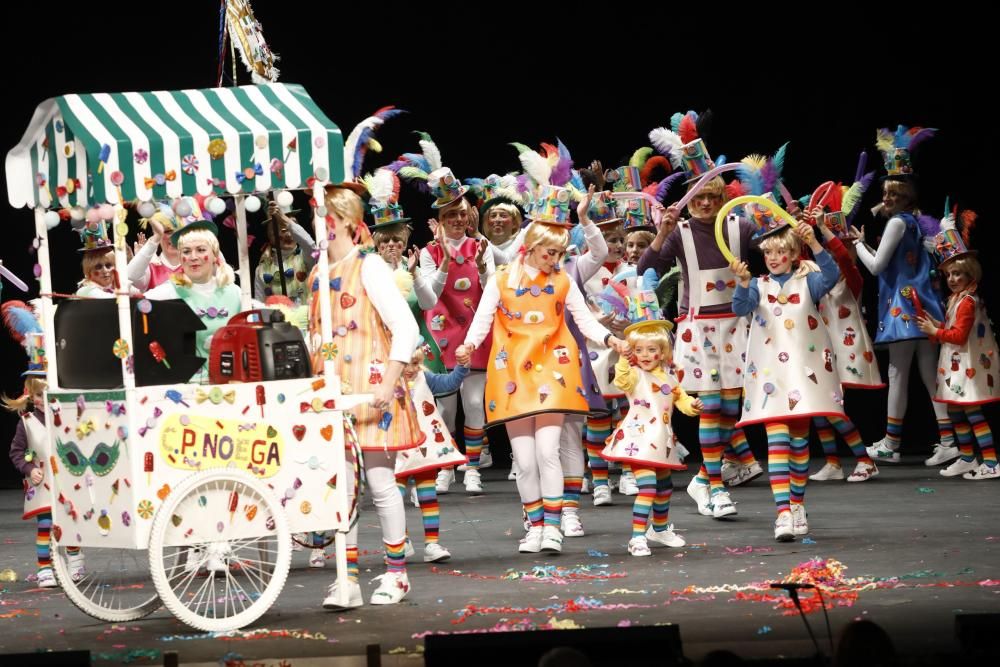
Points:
point(793, 298)
point(535, 290)
point(719, 285)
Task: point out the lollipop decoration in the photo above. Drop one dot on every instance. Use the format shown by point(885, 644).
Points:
point(768, 390)
point(158, 354)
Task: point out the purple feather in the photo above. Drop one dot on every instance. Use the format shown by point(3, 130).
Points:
point(397, 165)
point(865, 182)
point(929, 225)
point(523, 183)
point(919, 137)
point(862, 163)
point(769, 176)
point(664, 187)
point(563, 171)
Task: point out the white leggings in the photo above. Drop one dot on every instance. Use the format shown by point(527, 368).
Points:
point(571, 446)
point(535, 443)
point(472, 391)
point(380, 471)
point(900, 360)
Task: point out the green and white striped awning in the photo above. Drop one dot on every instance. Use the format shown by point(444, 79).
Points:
point(162, 145)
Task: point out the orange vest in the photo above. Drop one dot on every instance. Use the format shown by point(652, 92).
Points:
point(534, 363)
point(362, 354)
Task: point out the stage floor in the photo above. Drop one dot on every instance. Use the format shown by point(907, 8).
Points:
point(915, 549)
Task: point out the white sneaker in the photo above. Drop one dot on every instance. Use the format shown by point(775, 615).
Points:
point(638, 546)
point(722, 505)
point(730, 471)
point(627, 485)
point(473, 482)
point(863, 472)
point(745, 474)
point(435, 553)
point(486, 458)
point(512, 475)
point(531, 543)
point(827, 472)
point(551, 539)
point(983, 472)
point(585, 485)
point(445, 478)
point(667, 538)
point(414, 498)
point(296, 546)
point(800, 524)
point(942, 454)
point(700, 493)
point(881, 451)
point(392, 588)
point(602, 495)
point(571, 525)
point(354, 598)
point(408, 549)
point(525, 520)
point(47, 578)
point(317, 558)
point(959, 467)
point(77, 571)
point(783, 531)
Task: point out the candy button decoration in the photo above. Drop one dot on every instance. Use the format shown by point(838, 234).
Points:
point(120, 348)
point(145, 509)
point(216, 148)
point(510, 387)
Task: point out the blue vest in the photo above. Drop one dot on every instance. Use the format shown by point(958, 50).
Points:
point(910, 266)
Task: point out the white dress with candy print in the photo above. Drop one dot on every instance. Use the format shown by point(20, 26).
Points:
point(967, 374)
point(852, 346)
point(710, 348)
point(790, 369)
point(37, 499)
point(645, 437)
point(438, 449)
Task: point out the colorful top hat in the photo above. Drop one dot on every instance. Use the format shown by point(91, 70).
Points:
point(765, 222)
point(761, 176)
point(34, 345)
point(897, 148)
point(383, 188)
point(445, 187)
point(951, 243)
point(550, 206)
point(636, 213)
point(684, 144)
point(494, 190)
point(603, 210)
point(94, 234)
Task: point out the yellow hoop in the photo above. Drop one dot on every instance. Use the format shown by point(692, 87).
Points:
point(739, 201)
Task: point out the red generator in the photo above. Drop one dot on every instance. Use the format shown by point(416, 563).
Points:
point(258, 345)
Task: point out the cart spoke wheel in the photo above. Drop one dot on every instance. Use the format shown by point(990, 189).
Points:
point(115, 584)
point(220, 550)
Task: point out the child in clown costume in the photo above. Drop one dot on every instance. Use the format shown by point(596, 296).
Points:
point(438, 450)
point(532, 380)
point(840, 310)
point(645, 439)
point(789, 377)
point(967, 364)
point(903, 268)
point(296, 246)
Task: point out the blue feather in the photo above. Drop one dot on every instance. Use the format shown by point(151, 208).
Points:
point(417, 160)
point(720, 160)
point(20, 320)
point(577, 181)
point(649, 278)
point(576, 238)
point(675, 122)
point(778, 161)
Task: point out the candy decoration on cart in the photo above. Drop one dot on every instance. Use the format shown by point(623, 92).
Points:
point(120, 348)
point(215, 395)
point(159, 355)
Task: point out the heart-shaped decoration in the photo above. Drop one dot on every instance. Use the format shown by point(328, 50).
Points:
point(272, 432)
point(163, 492)
point(843, 312)
point(176, 520)
point(812, 321)
point(326, 432)
point(299, 432)
point(619, 435)
point(346, 300)
point(57, 531)
point(686, 336)
point(423, 451)
point(428, 408)
point(250, 511)
point(868, 355)
point(970, 373)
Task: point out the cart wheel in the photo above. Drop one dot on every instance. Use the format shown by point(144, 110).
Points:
point(328, 538)
point(219, 550)
point(115, 585)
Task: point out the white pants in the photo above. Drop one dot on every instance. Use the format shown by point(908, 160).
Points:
point(900, 360)
point(535, 443)
point(472, 391)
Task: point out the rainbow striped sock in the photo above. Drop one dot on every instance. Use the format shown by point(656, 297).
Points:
point(430, 512)
point(946, 433)
point(643, 504)
point(963, 432)
point(552, 511)
point(777, 463)
point(893, 431)
point(395, 556)
point(661, 505)
point(353, 570)
point(596, 432)
point(984, 436)
point(828, 439)
point(849, 432)
point(798, 465)
point(535, 511)
point(710, 438)
point(473, 438)
point(571, 491)
point(43, 546)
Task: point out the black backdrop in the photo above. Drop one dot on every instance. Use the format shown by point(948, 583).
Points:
point(479, 78)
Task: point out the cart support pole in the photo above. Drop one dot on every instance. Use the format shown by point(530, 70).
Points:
point(48, 312)
point(246, 280)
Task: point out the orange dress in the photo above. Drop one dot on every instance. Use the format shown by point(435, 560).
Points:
point(362, 354)
point(534, 363)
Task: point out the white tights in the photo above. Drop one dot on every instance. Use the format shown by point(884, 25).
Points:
point(571, 446)
point(535, 443)
point(900, 360)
